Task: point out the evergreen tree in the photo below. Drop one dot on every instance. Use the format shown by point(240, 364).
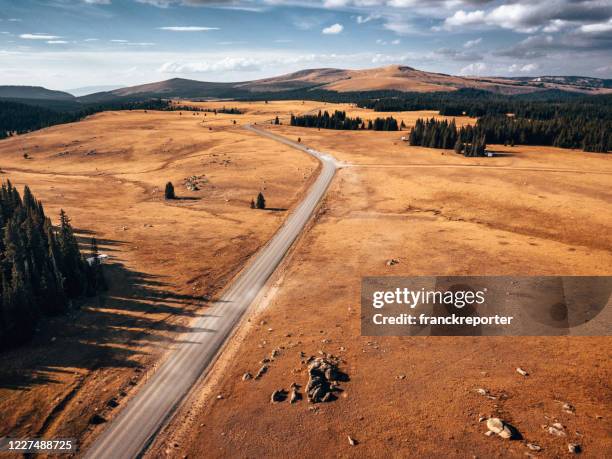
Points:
point(169, 191)
point(41, 268)
point(261, 201)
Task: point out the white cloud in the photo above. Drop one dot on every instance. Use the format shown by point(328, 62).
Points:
point(226, 64)
point(527, 68)
point(525, 16)
point(599, 27)
point(555, 25)
point(472, 43)
point(365, 19)
point(461, 18)
point(119, 41)
point(188, 28)
point(38, 36)
point(333, 29)
point(477, 68)
point(57, 42)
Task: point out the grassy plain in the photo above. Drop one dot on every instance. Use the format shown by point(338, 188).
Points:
point(529, 211)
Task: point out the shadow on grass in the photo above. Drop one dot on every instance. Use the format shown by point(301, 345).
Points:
point(102, 332)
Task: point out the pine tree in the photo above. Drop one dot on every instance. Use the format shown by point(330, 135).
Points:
point(41, 268)
point(169, 191)
point(261, 201)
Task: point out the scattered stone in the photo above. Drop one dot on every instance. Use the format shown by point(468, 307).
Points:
point(322, 372)
point(401, 377)
point(495, 425)
point(482, 418)
point(481, 391)
point(520, 371)
point(558, 425)
point(534, 447)
point(501, 428)
point(295, 396)
point(247, 376)
point(275, 353)
point(488, 433)
point(278, 396)
point(574, 448)
point(506, 433)
point(112, 403)
point(570, 409)
point(262, 371)
point(556, 431)
point(220, 397)
point(352, 441)
point(393, 262)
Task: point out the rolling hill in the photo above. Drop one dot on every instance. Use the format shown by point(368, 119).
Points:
point(33, 92)
point(394, 77)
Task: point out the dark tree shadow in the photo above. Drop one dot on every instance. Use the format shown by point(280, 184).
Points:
point(275, 209)
point(104, 331)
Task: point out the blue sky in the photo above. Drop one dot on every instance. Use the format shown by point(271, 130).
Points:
point(65, 44)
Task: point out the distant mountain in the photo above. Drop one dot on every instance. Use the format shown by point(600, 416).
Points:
point(33, 92)
point(586, 83)
point(85, 90)
point(176, 87)
point(394, 77)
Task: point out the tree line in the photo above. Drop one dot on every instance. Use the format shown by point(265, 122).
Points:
point(590, 135)
point(19, 118)
point(339, 120)
point(468, 141)
point(42, 270)
point(566, 132)
point(569, 120)
point(192, 108)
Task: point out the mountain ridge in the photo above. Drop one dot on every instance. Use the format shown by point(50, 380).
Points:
point(392, 77)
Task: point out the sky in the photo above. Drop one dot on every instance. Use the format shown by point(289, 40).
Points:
point(68, 44)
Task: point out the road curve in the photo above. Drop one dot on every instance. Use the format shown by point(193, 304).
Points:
point(130, 433)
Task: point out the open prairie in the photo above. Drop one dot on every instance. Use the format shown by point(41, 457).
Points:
point(529, 211)
point(167, 258)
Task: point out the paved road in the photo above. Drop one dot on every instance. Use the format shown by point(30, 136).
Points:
point(134, 428)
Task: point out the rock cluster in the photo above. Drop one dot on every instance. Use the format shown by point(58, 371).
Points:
point(193, 183)
point(501, 428)
point(323, 378)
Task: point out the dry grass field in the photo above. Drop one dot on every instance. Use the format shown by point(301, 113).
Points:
point(529, 211)
point(166, 258)
point(532, 211)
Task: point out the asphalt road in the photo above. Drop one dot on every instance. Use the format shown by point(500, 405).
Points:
point(130, 433)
